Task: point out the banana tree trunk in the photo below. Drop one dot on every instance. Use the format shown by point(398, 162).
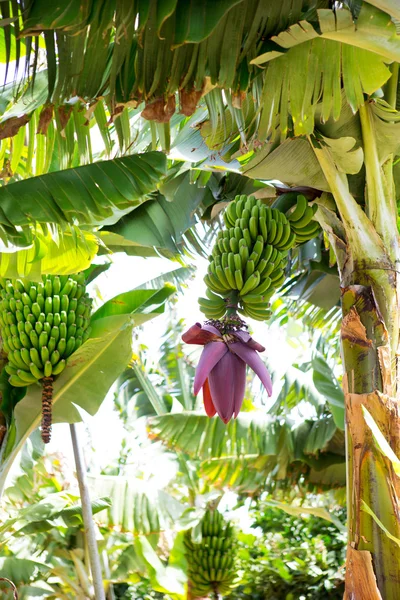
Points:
point(367, 248)
point(373, 558)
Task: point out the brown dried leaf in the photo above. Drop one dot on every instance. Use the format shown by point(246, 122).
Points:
point(353, 330)
point(11, 127)
point(64, 113)
point(159, 110)
point(360, 577)
point(45, 118)
point(189, 101)
point(386, 371)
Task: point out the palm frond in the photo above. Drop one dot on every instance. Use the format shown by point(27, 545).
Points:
point(252, 451)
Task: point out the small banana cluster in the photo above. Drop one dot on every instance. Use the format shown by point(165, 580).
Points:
point(301, 222)
point(248, 258)
point(41, 325)
point(212, 561)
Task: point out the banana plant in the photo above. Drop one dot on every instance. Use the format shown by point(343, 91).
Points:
point(325, 82)
point(88, 375)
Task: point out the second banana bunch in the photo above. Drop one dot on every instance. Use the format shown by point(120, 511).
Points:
point(249, 258)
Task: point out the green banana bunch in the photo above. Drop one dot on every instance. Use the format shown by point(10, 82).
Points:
point(301, 220)
point(41, 325)
point(211, 562)
point(248, 260)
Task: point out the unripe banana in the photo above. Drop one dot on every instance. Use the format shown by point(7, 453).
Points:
point(209, 569)
point(300, 209)
point(27, 313)
point(272, 227)
point(250, 283)
point(304, 220)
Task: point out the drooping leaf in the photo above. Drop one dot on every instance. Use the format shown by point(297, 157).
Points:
point(249, 450)
point(95, 194)
point(316, 511)
point(21, 570)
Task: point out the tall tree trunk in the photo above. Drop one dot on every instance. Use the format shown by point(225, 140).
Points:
point(367, 248)
point(373, 559)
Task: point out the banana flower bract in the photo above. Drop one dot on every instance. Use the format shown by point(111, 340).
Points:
point(221, 371)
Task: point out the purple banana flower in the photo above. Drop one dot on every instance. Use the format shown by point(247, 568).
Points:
point(221, 371)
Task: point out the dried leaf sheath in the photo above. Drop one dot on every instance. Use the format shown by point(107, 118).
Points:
point(47, 398)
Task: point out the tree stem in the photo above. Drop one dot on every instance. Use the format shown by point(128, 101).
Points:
point(87, 515)
point(390, 89)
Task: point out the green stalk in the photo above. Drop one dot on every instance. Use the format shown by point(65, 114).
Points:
point(391, 86)
point(381, 205)
point(232, 298)
point(367, 261)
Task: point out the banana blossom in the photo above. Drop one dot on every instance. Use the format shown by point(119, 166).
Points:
point(221, 371)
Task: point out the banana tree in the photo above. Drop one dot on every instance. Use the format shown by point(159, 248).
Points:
point(325, 81)
point(87, 378)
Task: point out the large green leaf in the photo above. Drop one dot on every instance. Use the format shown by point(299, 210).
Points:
point(42, 515)
point(90, 371)
point(254, 447)
point(316, 511)
point(95, 194)
point(341, 53)
point(161, 223)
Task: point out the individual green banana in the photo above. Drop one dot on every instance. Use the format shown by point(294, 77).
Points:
point(305, 219)
point(230, 277)
point(249, 269)
point(69, 347)
point(16, 381)
point(35, 357)
point(48, 369)
point(299, 210)
point(222, 278)
point(253, 227)
point(51, 345)
point(36, 372)
point(250, 283)
point(59, 367)
point(263, 287)
point(44, 354)
point(238, 279)
point(213, 283)
point(244, 255)
point(25, 356)
point(278, 235)
point(247, 237)
point(26, 376)
point(272, 228)
point(40, 300)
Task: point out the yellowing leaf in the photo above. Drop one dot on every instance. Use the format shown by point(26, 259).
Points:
point(66, 253)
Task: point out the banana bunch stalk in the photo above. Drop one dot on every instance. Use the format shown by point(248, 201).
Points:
point(41, 325)
point(211, 562)
point(249, 258)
